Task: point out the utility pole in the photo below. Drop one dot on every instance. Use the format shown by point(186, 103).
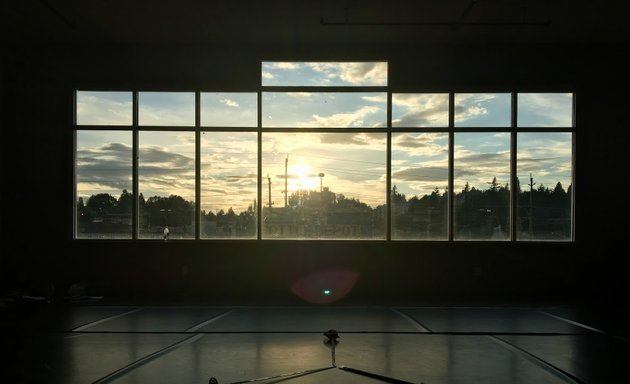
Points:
point(286, 180)
point(531, 206)
point(269, 187)
point(321, 182)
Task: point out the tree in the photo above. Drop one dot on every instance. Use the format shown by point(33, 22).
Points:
point(101, 204)
point(558, 190)
point(125, 202)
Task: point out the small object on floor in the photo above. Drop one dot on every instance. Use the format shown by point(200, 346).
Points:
point(331, 335)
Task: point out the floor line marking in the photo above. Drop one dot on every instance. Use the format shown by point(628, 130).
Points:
point(146, 359)
point(566, 376)
point(572, 322)
point(106, 319)
point(211, 320)
point(418, 325)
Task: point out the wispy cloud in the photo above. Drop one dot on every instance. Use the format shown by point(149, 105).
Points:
point(350, 119)
point(381, 99)
point(166, 108)
point(482, 109)
point(230, 103)
point(325, 73)
point(426, 144)
point(368, 73)
point(545, 109)
point(420, 110)
point(362, 139)
point(428, 173)
point(282, 65)
point(299, 95)
point(104, 108)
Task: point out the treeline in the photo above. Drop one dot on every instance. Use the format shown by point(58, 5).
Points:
point(543, 213)
point(105, 213)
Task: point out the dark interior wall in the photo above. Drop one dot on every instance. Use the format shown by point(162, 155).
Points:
point(37, 177)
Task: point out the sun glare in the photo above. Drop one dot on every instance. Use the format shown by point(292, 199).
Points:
point(302, 177)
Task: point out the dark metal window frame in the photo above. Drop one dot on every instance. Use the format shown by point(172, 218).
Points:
point(513, 129)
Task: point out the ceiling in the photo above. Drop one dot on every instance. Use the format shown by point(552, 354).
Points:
point(309, 21)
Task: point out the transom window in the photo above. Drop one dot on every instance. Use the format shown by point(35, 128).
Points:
point(324, 150)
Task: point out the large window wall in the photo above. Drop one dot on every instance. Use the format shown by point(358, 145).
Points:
point(324, 150)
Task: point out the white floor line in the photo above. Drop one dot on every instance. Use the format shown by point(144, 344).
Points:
point(106, 319)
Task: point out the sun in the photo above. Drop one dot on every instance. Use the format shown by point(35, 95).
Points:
point(302, 177)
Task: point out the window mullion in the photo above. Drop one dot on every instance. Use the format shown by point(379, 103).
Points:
point(135, 219)
point(513, 219)
point(451, 165)
point(197, 214)
point(259, 205)
point(388, 160)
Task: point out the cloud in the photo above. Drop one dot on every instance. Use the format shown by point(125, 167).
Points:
point(482, 160)
point(154, 156)
point(107, 166)
point(421, 119)
point(299, 95)
point(480, 168)
point(368, 73)
point(229, 103)
point(267, 75)
point(164, 108)
point(345, 139)
point(282, 65)
point(465, 113)
point(462, 98)
point(543, 109)
point(338, 120)
point(92, 109)
point(241, 180)
point(472, 105)
point(420, 110)
point(375, 98)
point(297, 177)
point(413, 141)
point(426, 144)
point(429, 173)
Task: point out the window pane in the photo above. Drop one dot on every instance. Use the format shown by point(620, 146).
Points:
point(235, 109)
point(104, 108)
point(481, 183)
point(166, 108)
point(290, 73)
point(229, 183)
point(103, 184)
point(545, 110)
point(324, 185)
point(324, 110)
point(483, 110)
point(544, 194)
point(420, 110)
point(166, 177)
point(419, 184)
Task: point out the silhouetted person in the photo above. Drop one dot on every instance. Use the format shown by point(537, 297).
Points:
point(166, 232)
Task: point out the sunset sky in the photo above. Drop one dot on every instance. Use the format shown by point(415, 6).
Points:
point(353, 162)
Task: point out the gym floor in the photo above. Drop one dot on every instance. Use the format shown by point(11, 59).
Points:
point(315, 344)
